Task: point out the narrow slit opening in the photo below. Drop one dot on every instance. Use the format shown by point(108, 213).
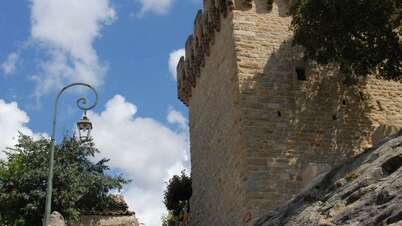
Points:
point(301, 74)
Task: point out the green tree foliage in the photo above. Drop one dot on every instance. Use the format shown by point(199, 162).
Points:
point(176, 197)
point(79, 184)
point(362, 36)
point(169, 220)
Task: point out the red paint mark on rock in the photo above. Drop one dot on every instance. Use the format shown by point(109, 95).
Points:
point(247, 217)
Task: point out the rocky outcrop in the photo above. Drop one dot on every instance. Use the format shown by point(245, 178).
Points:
point(364, 191)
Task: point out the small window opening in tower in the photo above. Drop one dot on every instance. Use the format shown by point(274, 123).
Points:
point(301, 74)
point(334, 117)
point(279, 114)
point(344, 102)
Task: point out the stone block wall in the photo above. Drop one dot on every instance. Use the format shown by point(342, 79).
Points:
point(217, 158)
point(295, 128)
point(262, 121)
point(118, 220)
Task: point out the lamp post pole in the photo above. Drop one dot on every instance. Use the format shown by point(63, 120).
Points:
point(81, 104)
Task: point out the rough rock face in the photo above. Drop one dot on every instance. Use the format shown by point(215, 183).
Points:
point(367, 190)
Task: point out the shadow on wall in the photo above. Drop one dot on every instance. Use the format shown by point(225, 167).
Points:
point(315, 120)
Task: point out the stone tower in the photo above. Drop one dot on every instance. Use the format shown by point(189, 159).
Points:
point(263, 122)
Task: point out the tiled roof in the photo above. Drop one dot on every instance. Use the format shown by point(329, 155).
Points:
point(111, 213)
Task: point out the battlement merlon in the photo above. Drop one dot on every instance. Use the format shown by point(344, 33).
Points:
point(206, 24)
point(198, 44)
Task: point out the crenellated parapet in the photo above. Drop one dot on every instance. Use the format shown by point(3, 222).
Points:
point(198, 45)
point(207, 22)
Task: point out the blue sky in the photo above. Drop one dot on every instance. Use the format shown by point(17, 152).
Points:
point(125, 49)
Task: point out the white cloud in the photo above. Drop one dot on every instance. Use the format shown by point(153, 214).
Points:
point(174, 58)
point(143, 149)
point(155, 6)
point(9, 65)
point(66, 30)
point(176, 117)
point(12, 121)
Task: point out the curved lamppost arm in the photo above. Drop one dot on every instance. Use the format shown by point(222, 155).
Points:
point(82, 103)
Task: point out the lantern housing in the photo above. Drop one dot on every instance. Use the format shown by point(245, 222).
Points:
point(84, 128)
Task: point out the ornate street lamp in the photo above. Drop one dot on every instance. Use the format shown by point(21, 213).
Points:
point(84, 129)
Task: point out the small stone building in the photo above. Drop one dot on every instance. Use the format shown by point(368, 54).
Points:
point(263, 121)
point(117, 216)
point(104, 219)
point(120, 215)
point(109, 218)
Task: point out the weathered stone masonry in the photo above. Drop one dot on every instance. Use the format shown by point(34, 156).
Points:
point(259, 130)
